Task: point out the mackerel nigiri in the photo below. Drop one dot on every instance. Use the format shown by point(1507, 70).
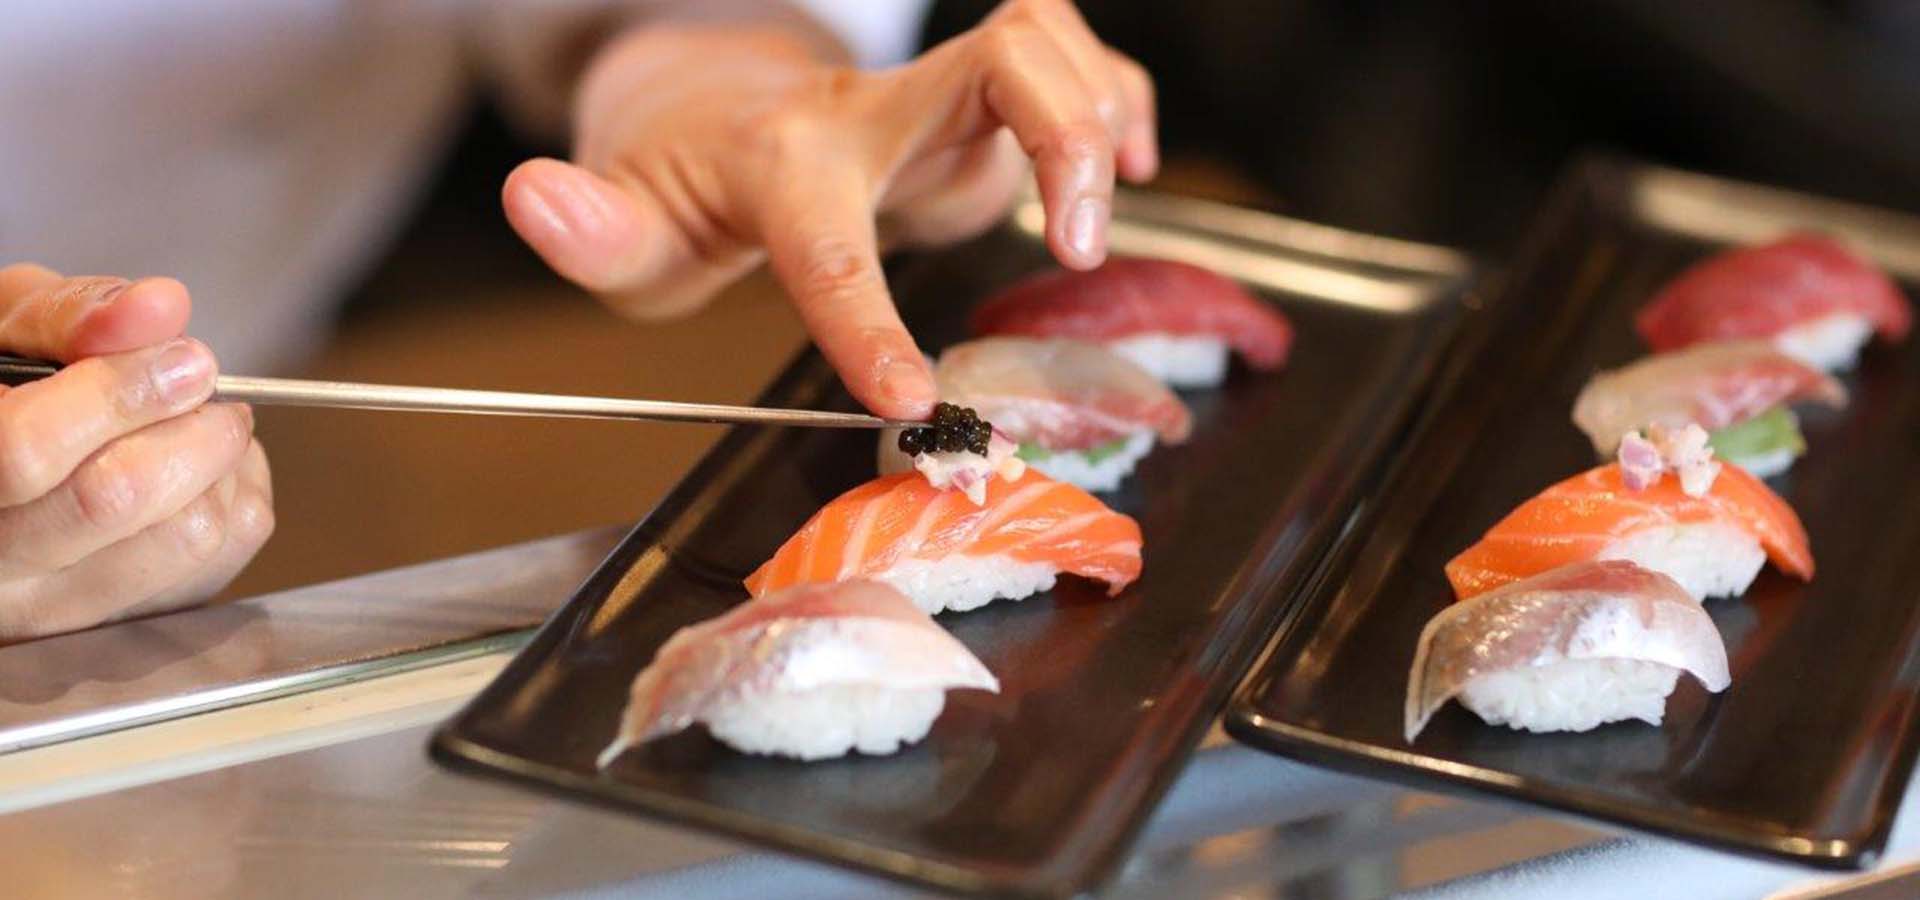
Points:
point(1566, 650)
point(1713, 544)
point(1077, 412)
point(1176, 320)
point(1737, 390)
point(1808, 294)
point(946, 552)
point(811, 672)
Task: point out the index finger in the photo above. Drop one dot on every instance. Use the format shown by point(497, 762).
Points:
point(819, 235)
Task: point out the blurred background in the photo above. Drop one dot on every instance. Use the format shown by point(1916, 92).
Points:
point(1440, 121)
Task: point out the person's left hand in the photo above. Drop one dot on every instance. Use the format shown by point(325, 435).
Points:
point(702, 151)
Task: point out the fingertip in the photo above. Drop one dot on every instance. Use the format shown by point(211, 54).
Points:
point(1080, 240)
point(141, 314)
point(906, 391)
point(580, 224)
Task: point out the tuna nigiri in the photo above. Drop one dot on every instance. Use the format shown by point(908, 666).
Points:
point(1078, 413)
point(943, 551)
point(1566, 650)
point(1737, 390)
point(1809, 295)
point(811, 672)
point(1713, 544)
point(1176, 320)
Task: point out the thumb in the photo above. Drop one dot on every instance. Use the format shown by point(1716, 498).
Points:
point(45, 315)
point(613, 240)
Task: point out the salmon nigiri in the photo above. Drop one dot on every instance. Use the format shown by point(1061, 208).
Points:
point(1738, 390)
point(1174, 319)
point(945, 552)
point(1808, 294)
point(1713, 544)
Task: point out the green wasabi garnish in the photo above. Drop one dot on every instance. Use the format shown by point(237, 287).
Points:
point(1094, 455)
point(1767, 433)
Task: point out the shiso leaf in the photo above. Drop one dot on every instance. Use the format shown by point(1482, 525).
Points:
point(1769, 432)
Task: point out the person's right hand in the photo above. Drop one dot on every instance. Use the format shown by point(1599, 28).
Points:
point(122, 490)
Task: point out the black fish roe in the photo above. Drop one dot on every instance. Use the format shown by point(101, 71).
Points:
point(954, 429)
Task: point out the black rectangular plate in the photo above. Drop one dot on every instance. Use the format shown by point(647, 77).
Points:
point(1038, 790)
point(1805, 757)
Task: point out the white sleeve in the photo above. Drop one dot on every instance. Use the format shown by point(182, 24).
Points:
point(877, 32)
point(520, 45)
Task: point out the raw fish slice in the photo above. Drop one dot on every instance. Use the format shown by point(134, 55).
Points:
point(1059, 394)
point(1763, 291)
point(1617, 616)
point(1133, 296)
point(852, 634)
point(1710, 385)
point(1590, 514)
point(880, 528)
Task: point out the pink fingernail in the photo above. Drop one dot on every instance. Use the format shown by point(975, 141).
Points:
point(1084, 224)
point(183, 372)
point(906, 383)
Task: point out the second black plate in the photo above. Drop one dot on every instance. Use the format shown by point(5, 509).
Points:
point(1806, 755)
point(1036, 790)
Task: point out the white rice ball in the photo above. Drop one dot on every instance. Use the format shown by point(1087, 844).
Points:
point(1708, 560)
point(1572, 694)
point(1180, 360)
point(1074, 468)
point(826, 722)
point(1831, 342)
point(961, 583)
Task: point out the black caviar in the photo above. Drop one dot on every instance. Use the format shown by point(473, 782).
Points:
point(954, 429)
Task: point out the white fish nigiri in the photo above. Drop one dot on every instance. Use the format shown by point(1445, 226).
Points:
point(1566, 650)
point(1739, 391)
point(1079, 412)
point(810, 672)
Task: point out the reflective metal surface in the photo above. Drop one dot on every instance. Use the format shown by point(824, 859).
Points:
point(409, 398)
point(168, 666)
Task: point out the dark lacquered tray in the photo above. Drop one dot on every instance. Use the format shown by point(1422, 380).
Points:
point(1806, 755)
point(1036, 791)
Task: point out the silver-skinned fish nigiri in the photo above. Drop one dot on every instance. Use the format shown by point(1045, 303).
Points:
point(811, 672)
point(1566, 650)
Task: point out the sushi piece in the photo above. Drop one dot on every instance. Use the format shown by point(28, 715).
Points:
point(1569, 649)
point(1175, 320)
point(957, 450)
point(1713, 544)
point(1740, 391)
point(811, 672)
point(1078, 413)
point(943, 551)
point(1809, 295)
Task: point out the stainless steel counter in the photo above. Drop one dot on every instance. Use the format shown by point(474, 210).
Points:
point(320, 788)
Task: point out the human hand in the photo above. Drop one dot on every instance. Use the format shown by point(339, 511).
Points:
point(701, 152)
point(122, 490)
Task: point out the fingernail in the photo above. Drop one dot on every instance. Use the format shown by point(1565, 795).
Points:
point(183, 372)
point(1084, 225)
point(567, 205)
point(906, 383)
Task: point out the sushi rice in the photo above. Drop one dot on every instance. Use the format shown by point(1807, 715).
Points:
point(961, 583)
point(1831, 342)
point(1183, 361)
point(826, 721)
point(1708, 559)
point(1572, 694)
point(1100, 469)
